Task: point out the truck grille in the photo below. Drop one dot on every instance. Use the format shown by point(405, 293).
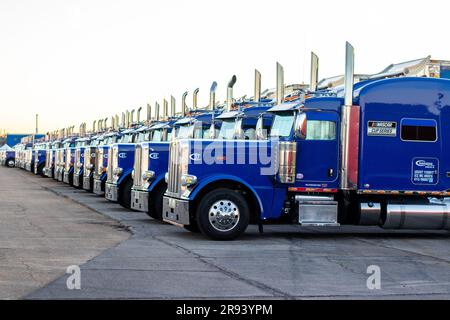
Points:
point(68, 159)
point(87, 161)
point(178, 160)
point(98, 163)
point(109, 170)
point(137, 181)
point(77, 161)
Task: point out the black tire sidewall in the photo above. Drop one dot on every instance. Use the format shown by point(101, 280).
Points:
point(10, 163)
point(125, 194)
point(205, 204)
point(155, 199)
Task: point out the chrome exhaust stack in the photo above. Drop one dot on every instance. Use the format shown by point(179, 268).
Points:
point(194, 99)
point(172, 106)
point(105, 123)
point(165, 109)
point(257, 95)
point(183, 104)
point(314, 72)
point(132, 116)
point(149, 113)
point(157, 111)
point(346, 183)
point(280, 84)
point(230, 92)
point(138, 114)
point(212, 96)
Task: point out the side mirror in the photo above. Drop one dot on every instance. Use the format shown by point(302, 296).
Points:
point(300, 126)
point(261, 133)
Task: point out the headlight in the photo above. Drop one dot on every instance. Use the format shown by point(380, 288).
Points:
point(90, 166)
point(148, 175)
point(166, 177)
point(188, 180)
point(79, 165)
point(132, 174)
point(118, 171)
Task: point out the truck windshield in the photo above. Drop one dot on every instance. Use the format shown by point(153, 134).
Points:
point(184, 131)
point(127, 138)
point(143, 136)
point(282, 124)
point(227, 129)
point(157, 135)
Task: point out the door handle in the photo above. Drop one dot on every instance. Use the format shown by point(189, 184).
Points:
point(330, 172)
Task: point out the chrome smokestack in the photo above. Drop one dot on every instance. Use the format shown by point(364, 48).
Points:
point(280, 83)
point(257, 95)
point(346, 114)
point(194, 99)
point(165, 109)
point(212, 96)
point(314, 72)
point(157, 111)
point(183, 104)
point(149, 113)
point(230, 92)
point(172, 106)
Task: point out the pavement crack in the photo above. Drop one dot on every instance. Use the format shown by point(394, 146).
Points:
point(231, 274)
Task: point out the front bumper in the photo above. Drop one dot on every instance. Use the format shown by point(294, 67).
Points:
point(87, 182)
point(77, 178)
point(139, 200)
point(111, 192)
point(176, 211)
point(48, 172)
point(28, 166)
point(66, 176)
point(98, 187)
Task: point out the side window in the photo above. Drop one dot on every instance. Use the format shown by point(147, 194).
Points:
point(424, 130)
point(320, 130)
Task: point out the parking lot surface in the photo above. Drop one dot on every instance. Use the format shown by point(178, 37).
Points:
point(286, 262)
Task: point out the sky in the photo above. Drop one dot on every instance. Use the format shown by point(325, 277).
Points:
point(76, 61)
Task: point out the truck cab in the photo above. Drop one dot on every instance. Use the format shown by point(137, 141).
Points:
point(65, 157)
point(101, 161)
point(39, 157)
point(120, 165)
point(69, 158)
point(90, 161)
point(78, 164)
point(375, 153)
point(151, 159)
point(50, 159)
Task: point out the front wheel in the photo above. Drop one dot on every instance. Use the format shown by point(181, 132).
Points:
point(125, 194)
point(223, 214)
point(155, 199)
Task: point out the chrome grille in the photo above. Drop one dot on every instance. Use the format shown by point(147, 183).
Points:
point(178, 160)
point(76, 161)
point(137, 181)
point(109, 169)
point(68, 159)
point(87, 161)
point(98, 163)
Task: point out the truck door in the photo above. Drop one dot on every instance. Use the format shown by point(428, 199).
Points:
point(317, 152)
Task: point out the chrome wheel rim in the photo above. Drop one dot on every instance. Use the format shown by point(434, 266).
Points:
point(224, 215)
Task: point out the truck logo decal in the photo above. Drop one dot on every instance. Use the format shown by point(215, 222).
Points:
point(154, 156)
point(382, 128)
point(122, 155)
point(425, 171)
point(195, 156)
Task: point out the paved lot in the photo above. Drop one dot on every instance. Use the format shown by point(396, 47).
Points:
point(42, 234)
point(286, 262)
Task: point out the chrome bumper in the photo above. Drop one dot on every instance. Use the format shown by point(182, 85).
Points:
point(66, 177)
point(98, 187)
point(139, 200)
point(87, 183)
point(111, 192)
point(176, 211)
point(76, 179)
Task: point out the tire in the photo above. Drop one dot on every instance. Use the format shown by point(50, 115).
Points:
point(125, 194)
point(10, 163)
point(40, 169)
point(155, 202)
point(216, 218)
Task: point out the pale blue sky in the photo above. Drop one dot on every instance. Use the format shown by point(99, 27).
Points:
point(73, 61)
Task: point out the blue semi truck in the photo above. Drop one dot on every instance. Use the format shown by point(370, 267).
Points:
point(374, 153)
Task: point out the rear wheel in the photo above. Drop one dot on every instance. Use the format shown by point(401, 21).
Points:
point(10, 163)
point(125, 194)
point(223, 214)
point(155, 202)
